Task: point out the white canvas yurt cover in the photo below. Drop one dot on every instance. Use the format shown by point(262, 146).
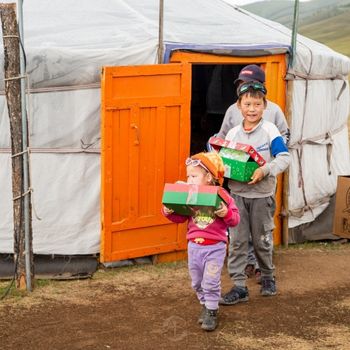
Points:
point(66, 44)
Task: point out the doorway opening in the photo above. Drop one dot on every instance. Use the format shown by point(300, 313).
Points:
point(213, 91)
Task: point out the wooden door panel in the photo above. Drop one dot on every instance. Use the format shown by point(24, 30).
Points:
point(145, 140)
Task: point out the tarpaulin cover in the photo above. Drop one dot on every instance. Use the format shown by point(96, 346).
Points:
point(67, 43)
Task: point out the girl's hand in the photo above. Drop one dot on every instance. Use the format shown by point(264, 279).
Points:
point(257, 176)
point(167, 211)
point(222, 211)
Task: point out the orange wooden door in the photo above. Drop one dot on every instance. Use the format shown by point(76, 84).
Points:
point(145, 140)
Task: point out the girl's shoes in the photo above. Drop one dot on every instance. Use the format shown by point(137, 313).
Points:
point(210, 320)
point(202, 314)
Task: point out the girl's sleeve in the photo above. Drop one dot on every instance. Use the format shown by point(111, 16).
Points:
point(177, 218)
point(232, 217)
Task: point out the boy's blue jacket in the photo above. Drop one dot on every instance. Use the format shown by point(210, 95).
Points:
point(267, 140)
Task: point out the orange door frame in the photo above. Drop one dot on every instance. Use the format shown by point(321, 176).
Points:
point(275, 70)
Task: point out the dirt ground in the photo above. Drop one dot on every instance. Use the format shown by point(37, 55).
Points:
point(153, 307)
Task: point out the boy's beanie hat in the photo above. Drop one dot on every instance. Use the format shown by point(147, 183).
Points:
point(251, 72)
point(213, 162)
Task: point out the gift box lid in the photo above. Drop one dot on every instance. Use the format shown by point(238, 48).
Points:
point(218, 143)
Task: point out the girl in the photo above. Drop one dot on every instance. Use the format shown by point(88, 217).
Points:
point(207, 236)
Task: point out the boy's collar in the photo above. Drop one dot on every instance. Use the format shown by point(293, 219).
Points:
point(253, 128)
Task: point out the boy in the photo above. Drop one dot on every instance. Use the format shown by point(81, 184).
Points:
point(255, 199)
point(233, 117)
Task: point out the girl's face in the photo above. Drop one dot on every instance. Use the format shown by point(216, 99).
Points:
point(252, 109)
point(196, 175)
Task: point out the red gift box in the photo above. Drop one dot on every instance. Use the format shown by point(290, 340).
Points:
point(217, 143)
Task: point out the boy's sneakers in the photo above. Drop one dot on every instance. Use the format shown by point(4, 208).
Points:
point(210, 320)
point(258, 276)
point(268, 287)
point(234, 296)
point(202, 314)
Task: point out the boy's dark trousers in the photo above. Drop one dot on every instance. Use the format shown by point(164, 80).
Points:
point(257, 221)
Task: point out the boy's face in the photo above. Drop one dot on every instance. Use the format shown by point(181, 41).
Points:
point(196, 175)
point(252, 109)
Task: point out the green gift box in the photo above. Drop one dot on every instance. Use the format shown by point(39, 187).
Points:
point(185, 198)
point(240, 160)
point(238, 165)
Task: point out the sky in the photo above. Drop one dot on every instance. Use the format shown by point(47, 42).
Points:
point(244, 2)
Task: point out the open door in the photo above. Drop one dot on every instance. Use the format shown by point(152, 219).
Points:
point(145, 140)
point(275, 69)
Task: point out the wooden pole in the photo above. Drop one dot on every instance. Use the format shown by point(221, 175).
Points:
point(290, 85)
point(294, 32)
point(161, 32)
point(285, 188)
point(14, 105)
point(28, 234)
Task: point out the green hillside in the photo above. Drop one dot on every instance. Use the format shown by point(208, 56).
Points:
point(333, 32)
point(326, 21)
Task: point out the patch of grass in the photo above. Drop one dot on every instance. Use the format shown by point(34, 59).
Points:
point(11, 291)
point(4, 286)
point(324, 245)
point(325, 21)
point(9, 288)
point(333, 32)
point(108, 273)
point(42, 283)
point(170, 265)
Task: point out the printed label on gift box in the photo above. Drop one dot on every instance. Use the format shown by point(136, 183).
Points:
point(227, 171)
point(192, 197)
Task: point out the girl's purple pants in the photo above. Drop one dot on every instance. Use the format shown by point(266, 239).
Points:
point(205, 263)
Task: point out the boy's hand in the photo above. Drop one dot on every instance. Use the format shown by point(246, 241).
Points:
point(167, 211)
point(222, 211)
point(257, 176)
